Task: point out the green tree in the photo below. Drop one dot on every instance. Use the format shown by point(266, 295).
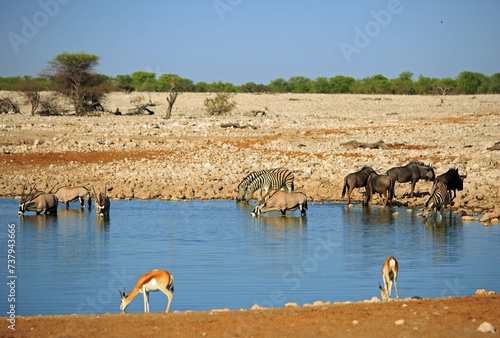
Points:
point(403, 84)
point(201, 87)
point(320, 85)
point(341, 84)
point(279, 85)
point(144, 81)
point(73, 76)
point(470, 82)
point(125, 82)
point(495, 83)
point(181, 84)
point(299, 84)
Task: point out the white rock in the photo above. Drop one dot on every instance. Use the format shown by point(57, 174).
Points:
point(400, 322)
point(486, 327)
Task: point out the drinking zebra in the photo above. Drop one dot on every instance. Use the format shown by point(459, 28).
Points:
point(438, 200)
point(275, 179)
point(242, 187)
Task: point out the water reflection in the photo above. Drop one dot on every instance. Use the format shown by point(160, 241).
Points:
point(335, 253)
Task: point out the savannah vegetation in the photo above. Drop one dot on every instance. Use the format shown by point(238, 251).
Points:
point(73, 76)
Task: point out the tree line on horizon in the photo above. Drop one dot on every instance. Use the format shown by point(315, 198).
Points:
point(465, 83)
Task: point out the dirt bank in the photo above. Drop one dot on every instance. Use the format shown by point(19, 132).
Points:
point(319, 137)
point(447, 317)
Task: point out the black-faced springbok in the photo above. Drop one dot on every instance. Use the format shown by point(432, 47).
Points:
point(389, 274)
point(152, 281)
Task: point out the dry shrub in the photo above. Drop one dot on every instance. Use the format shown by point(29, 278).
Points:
point(220, 105)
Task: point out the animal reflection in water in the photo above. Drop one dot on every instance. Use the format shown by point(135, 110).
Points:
point(283, 201)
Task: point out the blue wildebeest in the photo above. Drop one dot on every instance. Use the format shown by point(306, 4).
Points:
point(102, 203)
point(438, 200)
point(38, 201)
point(453, 181)
point(275, 179)
point(381, 184)
point(71, 194)
point(412, 172)
point(283, 201)
point(356, 180)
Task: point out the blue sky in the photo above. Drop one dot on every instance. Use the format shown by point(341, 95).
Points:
point(239, 41)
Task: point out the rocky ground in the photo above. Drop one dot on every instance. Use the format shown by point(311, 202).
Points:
point(318, 137)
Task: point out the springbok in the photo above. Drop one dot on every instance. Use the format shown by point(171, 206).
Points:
point(152, 281)
point(102, 204)
point(71, 194)
point(38, 201)
point(389, 274)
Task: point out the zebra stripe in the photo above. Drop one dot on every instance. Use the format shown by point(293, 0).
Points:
point(438, 200)
point(275, 179)
point(242, 187)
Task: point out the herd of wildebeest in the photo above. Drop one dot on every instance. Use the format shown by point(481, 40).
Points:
point(276, 190)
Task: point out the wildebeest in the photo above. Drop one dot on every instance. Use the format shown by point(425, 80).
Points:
point(102, 204)
point(356, 180)
point(438, 200)
point(38, 201)
point(453, 181)
point(381, 184)
point(283, 201)
point(412, 172)
point(71, 194)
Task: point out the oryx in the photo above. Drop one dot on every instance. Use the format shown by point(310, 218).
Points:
point(38, 201)
point(101, 203)
point(71, 194)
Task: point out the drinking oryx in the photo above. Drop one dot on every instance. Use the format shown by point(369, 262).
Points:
point(38, 201)
point(101, 203)
point(71, 194)
point(283, 201)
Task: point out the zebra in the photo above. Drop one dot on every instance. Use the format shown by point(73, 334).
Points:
point(242, 187)
point(439, 200)
point(276, 179)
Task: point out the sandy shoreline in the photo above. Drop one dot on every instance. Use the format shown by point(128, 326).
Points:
point(430, 318)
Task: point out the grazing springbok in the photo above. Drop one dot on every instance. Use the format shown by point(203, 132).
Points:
point(381, 184)
point(389, 274)
point(412, 172)
point(71, 194)
point(283, 201)
point(152, 281)
point(356, 180)
point(38, 201)
point(453, 181)
point(439, 200)
point(102, 204)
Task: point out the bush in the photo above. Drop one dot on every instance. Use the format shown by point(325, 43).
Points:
point(220, 105)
